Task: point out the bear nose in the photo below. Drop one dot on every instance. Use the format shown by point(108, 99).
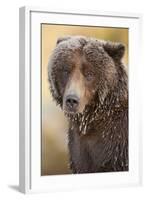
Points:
point(72, 102)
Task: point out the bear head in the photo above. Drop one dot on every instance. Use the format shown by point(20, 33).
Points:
point(83, 70)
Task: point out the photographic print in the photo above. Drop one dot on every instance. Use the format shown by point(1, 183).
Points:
point(84, 84)
point(79, 100)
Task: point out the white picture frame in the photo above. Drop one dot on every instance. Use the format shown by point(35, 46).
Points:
point(30, 173)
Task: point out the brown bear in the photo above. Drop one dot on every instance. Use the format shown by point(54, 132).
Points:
point(89, 82)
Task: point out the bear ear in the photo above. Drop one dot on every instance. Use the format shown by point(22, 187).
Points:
point(115, 50)
point(61, 39)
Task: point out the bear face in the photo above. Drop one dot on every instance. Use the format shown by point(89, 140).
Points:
point(83, 69)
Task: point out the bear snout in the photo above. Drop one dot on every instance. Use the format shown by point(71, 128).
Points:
point(71, 103)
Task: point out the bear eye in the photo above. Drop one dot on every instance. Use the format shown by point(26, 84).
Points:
point(89, 75)
point(65, 73)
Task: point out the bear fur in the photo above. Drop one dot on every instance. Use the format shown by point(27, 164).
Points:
point(98, 134)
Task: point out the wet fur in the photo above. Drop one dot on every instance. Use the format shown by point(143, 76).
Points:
point(98, 137)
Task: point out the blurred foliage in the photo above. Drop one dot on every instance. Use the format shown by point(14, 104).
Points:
point(54, 125)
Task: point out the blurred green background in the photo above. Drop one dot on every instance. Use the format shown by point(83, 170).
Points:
point(54, 125)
